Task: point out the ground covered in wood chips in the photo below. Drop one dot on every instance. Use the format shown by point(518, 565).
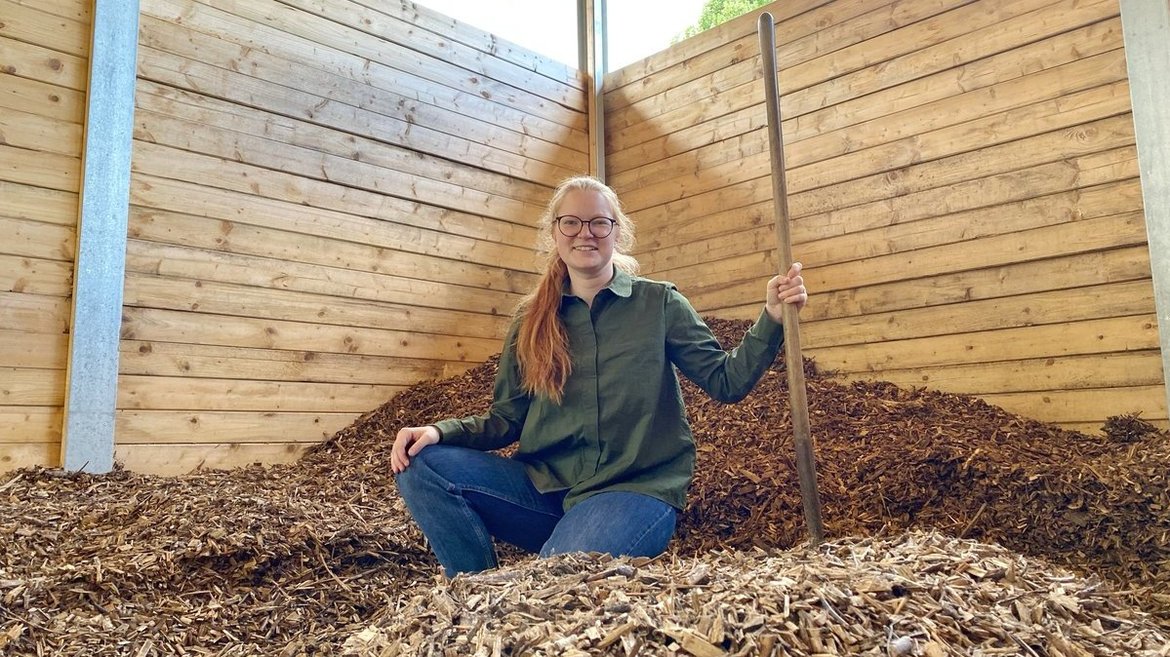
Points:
point(300, 559)
point(912, 594)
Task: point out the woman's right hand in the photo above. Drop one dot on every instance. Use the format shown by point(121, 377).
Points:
point(409, 442)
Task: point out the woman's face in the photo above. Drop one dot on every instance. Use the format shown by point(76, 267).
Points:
point(584, 253)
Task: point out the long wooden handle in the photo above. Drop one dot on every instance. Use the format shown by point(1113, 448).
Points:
point(798, 400)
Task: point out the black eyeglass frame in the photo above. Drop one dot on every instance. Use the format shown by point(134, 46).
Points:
point(610, 221)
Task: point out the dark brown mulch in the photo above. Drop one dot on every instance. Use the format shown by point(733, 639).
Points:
point(294, 559)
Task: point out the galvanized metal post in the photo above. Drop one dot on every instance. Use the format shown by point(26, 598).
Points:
point(1146, 26)
point(95, 326)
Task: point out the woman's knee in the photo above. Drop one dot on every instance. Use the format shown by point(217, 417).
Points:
point(420, 475)
point(450, 468)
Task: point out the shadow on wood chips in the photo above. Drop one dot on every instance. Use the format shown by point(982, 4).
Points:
point(294, 559)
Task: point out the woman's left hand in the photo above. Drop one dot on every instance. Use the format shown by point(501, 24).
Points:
point(788, 288)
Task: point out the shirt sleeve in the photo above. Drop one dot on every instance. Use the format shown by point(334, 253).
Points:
point(727, 376)
point(501, 425)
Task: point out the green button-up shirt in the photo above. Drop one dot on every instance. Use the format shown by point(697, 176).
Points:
point(621, 425)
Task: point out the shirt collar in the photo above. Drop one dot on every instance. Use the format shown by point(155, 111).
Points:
point(621, 284)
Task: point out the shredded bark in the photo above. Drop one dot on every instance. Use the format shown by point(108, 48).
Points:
point(912, 594)
point(297, 559)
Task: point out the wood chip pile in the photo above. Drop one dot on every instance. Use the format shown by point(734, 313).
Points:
point(296, 559)
point(914, 594)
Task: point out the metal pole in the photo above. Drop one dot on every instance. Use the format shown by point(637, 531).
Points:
point(91, 395)
point(798, 400)
point(1146, 26)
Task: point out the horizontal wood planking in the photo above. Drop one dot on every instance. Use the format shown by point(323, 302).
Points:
point(204, 361)
point(32, 275)
point(1113, 370)
point(972, 121)
point(43, 64)
point(386, 225)
point(171, 459)
point(288, 144)
point(243, 427)
point(165, 68)
point(39, 133)
point(802, 63)
point(1025, 246)
point(691, 58)
point(1078, 145)
point(1065, 406)
point(383, 170)
point(980, 74)
point(38, 204)
point(1066, 272)
point(179, 56)
point(962, 199)
point(30, 454)
point(890, 199)
point(445, 27)
point(301, 251)
point(40, 169)
point(1067, 152)
point(380, 36)
point(263, 333)
point(965, 34)
point(964, 194)
point(1011, 217)
point(44, 48)
point(396, 271)
point(21, 386)
point(480, 98)
point(1101, 351)
point(197, 295)
point(1096, 428)
point(34, 239)
point(78, 10)
point(42, 98)
point(28, 350)
point(1056, 306)
point(37, 26)
point(190, 394)
point(1078, 391)
point(1085, 338)
point(365, 30)
point(28, 425)
point(350, 284)
point(1014, 280)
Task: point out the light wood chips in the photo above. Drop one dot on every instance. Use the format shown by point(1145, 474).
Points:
point(914, 594)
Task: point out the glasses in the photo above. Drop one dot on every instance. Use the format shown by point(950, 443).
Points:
point(570, 226)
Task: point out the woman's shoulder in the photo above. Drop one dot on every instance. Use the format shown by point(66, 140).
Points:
point(649, 287)
point(650, 283)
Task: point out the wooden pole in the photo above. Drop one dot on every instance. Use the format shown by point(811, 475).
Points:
point(798, 400)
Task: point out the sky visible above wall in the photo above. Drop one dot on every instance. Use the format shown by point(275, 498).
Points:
point(637, 28)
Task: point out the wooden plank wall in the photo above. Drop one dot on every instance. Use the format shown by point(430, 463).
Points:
point(963, 183)
point(44, 51)
point(330, 201)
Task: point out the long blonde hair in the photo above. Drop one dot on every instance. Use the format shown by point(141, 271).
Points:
point(542, 342)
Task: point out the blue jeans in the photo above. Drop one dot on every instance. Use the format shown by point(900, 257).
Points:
point(462, 498)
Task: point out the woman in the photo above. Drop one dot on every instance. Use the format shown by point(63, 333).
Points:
point(587, 385)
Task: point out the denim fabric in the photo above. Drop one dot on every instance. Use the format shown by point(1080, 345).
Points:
point(462, 498)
